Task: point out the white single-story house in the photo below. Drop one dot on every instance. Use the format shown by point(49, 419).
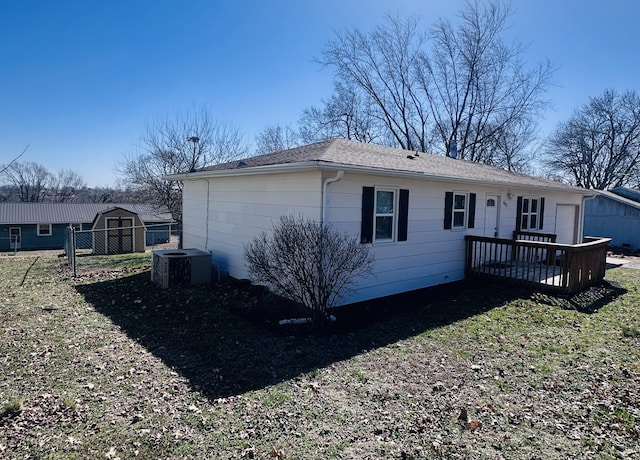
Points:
point(615, 214)
point(414, 210)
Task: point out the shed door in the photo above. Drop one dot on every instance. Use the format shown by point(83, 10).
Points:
point(566, 223)
point(119, 235)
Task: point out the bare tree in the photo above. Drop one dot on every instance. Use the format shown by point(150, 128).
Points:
point(479, 87)
point(381, 65)
point(66, 186)
point(28, 181)
point(456, 87)
point(308, 262)
point(599, 146)
point(275, 138)
point(346, 114)
point(186, 143)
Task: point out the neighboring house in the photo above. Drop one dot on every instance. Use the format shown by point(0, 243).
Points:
point(413, 210)
point(613, 214)
point(43, 225)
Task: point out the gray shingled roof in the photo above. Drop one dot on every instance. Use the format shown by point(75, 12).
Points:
point(357, 155)
point(72, 213)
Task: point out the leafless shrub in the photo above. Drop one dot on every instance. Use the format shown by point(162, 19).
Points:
point(308, 262)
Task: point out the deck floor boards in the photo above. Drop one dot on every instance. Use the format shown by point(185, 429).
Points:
point(532, 272)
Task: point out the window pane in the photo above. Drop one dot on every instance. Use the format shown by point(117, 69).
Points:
point(384, 228)
point(491, 203)
point(534, 221)
point(534, 206)
point(524, 223)
point(458, 219)
point(384, 202)
point(459, 201)
point(525, 205)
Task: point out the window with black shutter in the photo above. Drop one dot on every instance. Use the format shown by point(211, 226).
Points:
point(385, 215)
point(530, 213)
point(459, 210)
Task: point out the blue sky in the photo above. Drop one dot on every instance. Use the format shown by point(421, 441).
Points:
point(80, 79)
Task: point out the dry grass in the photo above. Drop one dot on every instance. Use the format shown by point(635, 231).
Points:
point(108, 366)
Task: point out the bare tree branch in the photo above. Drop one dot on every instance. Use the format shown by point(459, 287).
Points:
point(599, 146)
point(185, 143)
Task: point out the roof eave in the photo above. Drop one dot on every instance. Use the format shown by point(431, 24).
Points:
point(309, 165)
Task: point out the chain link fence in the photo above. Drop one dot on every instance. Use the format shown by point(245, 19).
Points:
point(92, 249)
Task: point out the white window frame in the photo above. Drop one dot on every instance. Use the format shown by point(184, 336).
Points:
point(393, 214)
point(464, 210)
point(525, 216)
point(48, 233)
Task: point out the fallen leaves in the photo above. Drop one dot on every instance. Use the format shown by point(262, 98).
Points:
point(103, 377)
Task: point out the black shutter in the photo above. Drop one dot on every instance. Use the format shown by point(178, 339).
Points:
point(471, 222)
point(366, 225)
point(541, 220)
point(448, 210)
point(403, 216)
point(519, 214)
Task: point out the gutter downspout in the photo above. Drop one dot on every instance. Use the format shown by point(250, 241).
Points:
point(325, 185)
point(585, 198)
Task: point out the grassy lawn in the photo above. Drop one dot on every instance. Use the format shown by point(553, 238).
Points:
point(109, 366)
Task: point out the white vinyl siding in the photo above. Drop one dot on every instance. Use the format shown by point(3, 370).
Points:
point(240, 208)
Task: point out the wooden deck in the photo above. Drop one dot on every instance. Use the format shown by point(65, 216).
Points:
point(537, 262)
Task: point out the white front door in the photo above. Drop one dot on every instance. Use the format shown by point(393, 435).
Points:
point(566, 223)
point(492, 216)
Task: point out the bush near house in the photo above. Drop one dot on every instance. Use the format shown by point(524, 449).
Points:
point(308, 262)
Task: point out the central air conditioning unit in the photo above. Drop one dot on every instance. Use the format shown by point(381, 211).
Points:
point(180, 267)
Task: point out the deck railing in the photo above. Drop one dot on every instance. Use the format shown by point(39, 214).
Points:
point(537, 261)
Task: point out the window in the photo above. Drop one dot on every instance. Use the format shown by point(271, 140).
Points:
point(385, 209)
point(530, 212)
point(44, 229)
point(384, 214)
point(459, 210)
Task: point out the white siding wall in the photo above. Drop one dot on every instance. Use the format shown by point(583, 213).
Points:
point(431, 255)
point(240, 208)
